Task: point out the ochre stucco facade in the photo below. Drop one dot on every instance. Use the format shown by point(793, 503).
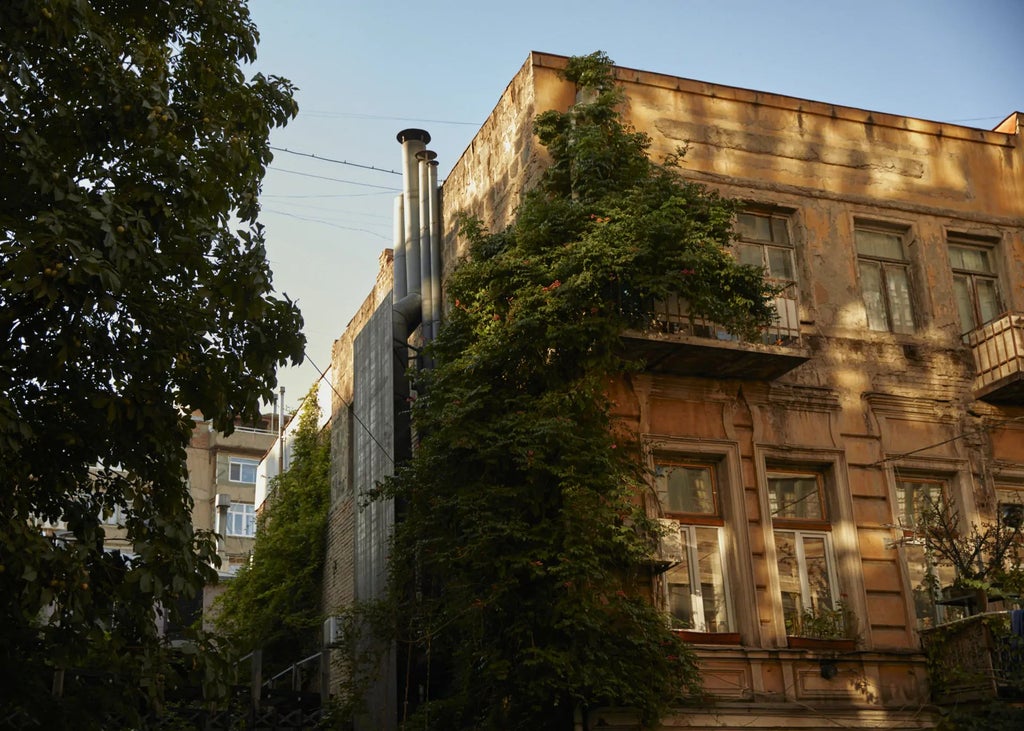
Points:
point(885, 399)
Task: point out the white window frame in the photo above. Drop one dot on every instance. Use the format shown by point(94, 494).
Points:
point(801, 557)
point(787, 302)
point(243, 514)
point(242, 463)
point(805, 528)
point(688, 533)
point(688, 524)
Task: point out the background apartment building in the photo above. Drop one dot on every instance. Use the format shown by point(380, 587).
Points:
point(791, 471)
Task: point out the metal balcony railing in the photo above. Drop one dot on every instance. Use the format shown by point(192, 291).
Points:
point(998, 350)
point(977, 658)
point(672, 316)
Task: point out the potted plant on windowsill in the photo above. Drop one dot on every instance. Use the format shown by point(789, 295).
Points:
point(686, 632)
point(822, 628)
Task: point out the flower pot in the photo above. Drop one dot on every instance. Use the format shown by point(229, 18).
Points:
point(839, 644)
point(707, 638)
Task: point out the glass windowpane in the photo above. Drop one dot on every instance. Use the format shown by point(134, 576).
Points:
point(789, 576)
point(899, 299)
point(795, 497)
point(988, 299)
point(780, 231)
point(680, 593)
point(818, 582)
point(964, 306)
point(780, 263)
point(881, 244)
point(712, 580)
point(750, 254)
point(686, 489)
point(871, 289)
point(753, 226)
point(915, 499)
point(970, 258)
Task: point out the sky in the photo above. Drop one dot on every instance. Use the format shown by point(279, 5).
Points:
point(366, 70)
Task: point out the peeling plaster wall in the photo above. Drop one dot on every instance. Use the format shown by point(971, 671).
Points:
point(867, 407)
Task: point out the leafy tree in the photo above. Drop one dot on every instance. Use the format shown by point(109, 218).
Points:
point(134, 288)
point(274, 603)
point(519, 571)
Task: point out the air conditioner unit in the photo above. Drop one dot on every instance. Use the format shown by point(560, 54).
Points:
point(332, 630)
point(670, 544)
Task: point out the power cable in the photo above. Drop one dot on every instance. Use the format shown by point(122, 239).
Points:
point(327, 223)
point(338, 162)
point(971, 433)
point(323, 374)
point(354, 115)
point(335, 180)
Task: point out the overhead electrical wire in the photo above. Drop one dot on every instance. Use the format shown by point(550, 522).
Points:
point(335, 180)
point(323, 375)
point(326, 223)
point(337, 162)
point(354, 115)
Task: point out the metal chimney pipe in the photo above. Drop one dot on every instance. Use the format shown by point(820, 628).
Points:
point(435, 247)
point(424, 158)
point(413, 141)
point(398, 239)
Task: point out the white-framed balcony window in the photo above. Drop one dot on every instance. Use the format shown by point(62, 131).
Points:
point(884, 279)
point(696, 589)
point(765, 242)
point(241, 520)
point(975, 281)
point(803, 545)
point(242, 470)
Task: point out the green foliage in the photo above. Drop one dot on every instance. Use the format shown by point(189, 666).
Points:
point(134, 288)
point(823, 623)
point(519, 571)
point(274, 603)
point(992, 716)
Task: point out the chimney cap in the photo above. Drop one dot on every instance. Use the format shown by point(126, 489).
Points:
point(427, 155)
point(413, 134)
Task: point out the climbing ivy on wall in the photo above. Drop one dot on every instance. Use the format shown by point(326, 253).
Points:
point(273, 603)
point(519, 567)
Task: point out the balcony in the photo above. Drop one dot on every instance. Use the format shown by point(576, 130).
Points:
point(998, 350)
point(679, 344)
point(973, 659)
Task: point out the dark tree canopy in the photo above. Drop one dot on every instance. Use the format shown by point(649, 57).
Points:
point(134, 289)
point(519, 568)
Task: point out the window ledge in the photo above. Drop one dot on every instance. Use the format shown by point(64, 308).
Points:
point(693, 637)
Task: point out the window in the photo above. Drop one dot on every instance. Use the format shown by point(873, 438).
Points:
point(1010, 501)
point(242, 470)
point(695, 589)
point(927, 573)
point(242, 520)
point(884, 280)
point(974, 282)
point(765, 242)
point(803, 545)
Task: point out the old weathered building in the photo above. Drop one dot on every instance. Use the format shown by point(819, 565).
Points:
point(790, 471)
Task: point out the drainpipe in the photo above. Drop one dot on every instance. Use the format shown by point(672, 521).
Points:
point(398, 239)
point(413, 141)
point(424, 159)
point(435, 247)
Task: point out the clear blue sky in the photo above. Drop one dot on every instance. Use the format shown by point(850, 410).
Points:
point(366, 70)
